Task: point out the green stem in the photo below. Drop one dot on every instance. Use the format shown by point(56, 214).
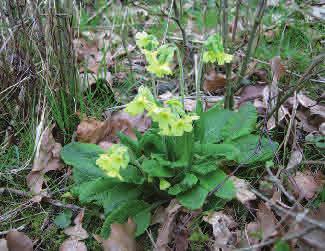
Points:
point(181, 76)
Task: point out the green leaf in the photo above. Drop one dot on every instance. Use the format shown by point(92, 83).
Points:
point(151, 143)
point(211, 122)
point(154, 169)
point(123, 212)
point(107, 192)
point(83, 158)
point(193, 198)
point(229, 151)
point(142, 219)
point(131, 174)
point(188, 182)
point(90, 191)
point(132, 144)
point(281, 246)
point(255, 149)
point(63, 220)
point(204, 168)
point(216, 178)
point(241, 123)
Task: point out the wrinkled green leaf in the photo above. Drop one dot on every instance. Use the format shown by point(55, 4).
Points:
point(211, 123)
point(83, 158)
point(188, 182)
point(131, 174)
point(123, 212)
point(193, 198)
point(154, 169)
point(229, 151)
point(204, 168)
point(216, 178)
point(254, 148)
point(241, 123)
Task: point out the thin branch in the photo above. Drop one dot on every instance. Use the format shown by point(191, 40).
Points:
point(300, 83)
point(252, 35)
point(234, 28)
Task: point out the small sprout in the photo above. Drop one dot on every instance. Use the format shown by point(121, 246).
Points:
point(164, 184)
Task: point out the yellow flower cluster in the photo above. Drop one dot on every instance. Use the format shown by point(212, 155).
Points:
point(158, 58)
point(172, 119)
point(113, 160)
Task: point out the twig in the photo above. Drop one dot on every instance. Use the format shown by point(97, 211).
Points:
point(291, 72)
point(285, 238)
point(252, 34)
point(99, 12)
point(45, 199)
point(298, 216)
point(300, 83)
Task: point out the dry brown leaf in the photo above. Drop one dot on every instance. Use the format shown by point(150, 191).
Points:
point(47, 159)
point(306, 184)
point(277, 68)
point(165, 231)
point(105, 132)
point(3, 245)
point(76, 234)
point(316, 238)
point(73, 245)
point(266, 220)
point(214, 81)
point(250, 93)
point(222, 226)
point(252, 229)
point(189, 105)
point(122, 237)
point(93, 131)
point(18, 241)
point(295, 159)
point(243, 193)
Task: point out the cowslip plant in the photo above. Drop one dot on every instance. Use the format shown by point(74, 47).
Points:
point(214, 51)
point(183, 156)
point(159, 58)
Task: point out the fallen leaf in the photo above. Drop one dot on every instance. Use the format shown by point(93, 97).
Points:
point(122, 237)
point(305, 101)
point(250, 93)
point(253, 229)
point(243, 193)
point(76, 234)
point(295, 159)
point(189, 105)
point(306, 184)
point(3, 245)
point(47, 159)
point(316, 238)
point(277, 68)
point(91, 130)
point(73, 245)
point(105, 132)
point(214, 81)
point(18, 241)
point(222, 225)
point(266, 220)
point(166, 229)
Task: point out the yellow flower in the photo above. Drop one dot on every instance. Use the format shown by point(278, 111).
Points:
point(181, 126)
point(137, 105)
point(164, 184)
point(117, 157)
point(163, 116)
point(145, 41)
point(156, 67)
point(223, 58)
